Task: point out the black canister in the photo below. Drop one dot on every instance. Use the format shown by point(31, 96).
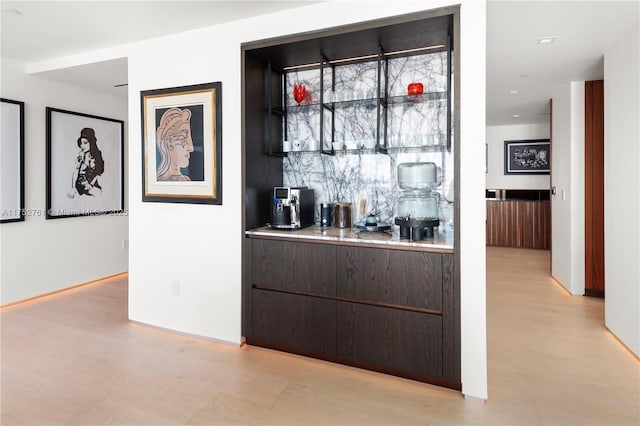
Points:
point(326, 213)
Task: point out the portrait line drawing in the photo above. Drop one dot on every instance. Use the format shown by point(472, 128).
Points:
point(181, 144)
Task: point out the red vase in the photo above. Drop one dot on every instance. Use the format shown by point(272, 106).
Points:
point(299, 93)
point(415, 89)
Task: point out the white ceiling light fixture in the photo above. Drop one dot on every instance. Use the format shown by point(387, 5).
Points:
point(514, 92)
point(516, 115)
point(547, 40)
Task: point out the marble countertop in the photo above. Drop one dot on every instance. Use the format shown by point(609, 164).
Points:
point(441, 242)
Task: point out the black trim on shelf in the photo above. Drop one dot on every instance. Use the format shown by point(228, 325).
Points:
point(518, 194)
point(382, 102)
point(449, 73)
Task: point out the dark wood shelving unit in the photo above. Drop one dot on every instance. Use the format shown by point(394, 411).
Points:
point(388, 310)
point(342, 48)
point(392, 311)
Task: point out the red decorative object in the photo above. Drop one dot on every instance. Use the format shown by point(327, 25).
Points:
point(299, 93)
point(415, 89)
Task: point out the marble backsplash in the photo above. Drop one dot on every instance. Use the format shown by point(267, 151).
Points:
point(351, 177)
point(415, 132)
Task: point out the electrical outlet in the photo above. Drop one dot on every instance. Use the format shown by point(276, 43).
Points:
point(125, 244)
point(175, 287)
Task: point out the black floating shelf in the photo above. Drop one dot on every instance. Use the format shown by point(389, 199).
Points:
point(415, 99)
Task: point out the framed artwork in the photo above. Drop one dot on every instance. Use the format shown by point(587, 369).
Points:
point(527, 157)
point(85, 164)
point(12, 159)
point(182, 144)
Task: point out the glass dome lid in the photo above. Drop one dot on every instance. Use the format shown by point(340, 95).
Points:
point(418, 175)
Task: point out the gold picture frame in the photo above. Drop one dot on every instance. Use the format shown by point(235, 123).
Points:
point(182, 144)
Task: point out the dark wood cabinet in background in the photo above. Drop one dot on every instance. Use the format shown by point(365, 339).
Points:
point(388, 310)
point(520, 224)
point(293, 322)
point(294, 266)
point(403, 278)
point(398, 322)
point(394, 340)
point(283, 273)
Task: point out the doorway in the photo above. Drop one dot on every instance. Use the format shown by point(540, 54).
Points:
point(594, 188)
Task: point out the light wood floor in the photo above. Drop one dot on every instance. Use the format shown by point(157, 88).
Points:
point(74, 359)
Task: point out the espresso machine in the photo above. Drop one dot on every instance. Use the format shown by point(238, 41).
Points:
point(293, 208)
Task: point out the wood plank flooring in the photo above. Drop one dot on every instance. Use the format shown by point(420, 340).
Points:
point(73, 358)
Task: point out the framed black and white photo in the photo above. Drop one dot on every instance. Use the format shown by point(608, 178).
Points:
point(12, 161)
point(85, 164)
point(182, 144)
point(527, 157)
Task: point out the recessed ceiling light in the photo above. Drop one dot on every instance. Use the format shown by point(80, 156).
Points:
point(516, 115)
point(513, 92)
point(547, 40)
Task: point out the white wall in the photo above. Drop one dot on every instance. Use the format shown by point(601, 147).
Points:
point(576, 194)
point(495, 137)
point(39, 255)
point(473, 54)
point(197, 245)
point(567, 208)
point(208, 259)
point(622, 190)
point(200, 245)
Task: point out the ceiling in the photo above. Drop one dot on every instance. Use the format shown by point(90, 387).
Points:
point(515, 60)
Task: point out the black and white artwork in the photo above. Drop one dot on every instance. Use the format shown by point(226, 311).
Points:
point(527, 157)
point(12, 161)
point(85, 164)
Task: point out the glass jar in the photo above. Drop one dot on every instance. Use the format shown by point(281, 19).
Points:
point(419, 175)
point(418, 204)
point(342, 215)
